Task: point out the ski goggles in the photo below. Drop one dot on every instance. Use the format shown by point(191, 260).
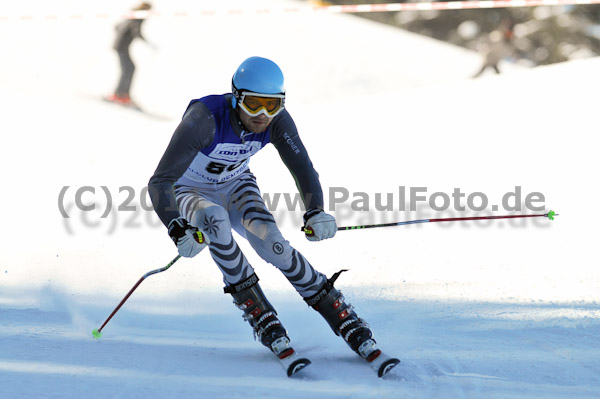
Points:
point(255, 104)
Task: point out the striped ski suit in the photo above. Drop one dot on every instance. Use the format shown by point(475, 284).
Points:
point(204, 177)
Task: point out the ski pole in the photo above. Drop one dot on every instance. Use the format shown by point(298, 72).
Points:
point(97, 333)
point(550, 215)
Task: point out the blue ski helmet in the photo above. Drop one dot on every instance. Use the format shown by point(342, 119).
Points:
point(257, 75)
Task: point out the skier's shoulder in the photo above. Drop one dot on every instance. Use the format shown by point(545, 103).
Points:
point(216, 104)
point(283, 127)
point(284, 117)
point(197, 125)
point(197, 114)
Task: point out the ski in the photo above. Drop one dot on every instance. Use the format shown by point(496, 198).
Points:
point(130, 105)
point(292, 362)
point(134, 107)
point(381, 363)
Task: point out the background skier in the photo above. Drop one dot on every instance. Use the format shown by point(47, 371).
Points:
point(499, 46)
point(127, 30)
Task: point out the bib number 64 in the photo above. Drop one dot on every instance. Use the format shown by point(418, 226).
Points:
point(218, 168)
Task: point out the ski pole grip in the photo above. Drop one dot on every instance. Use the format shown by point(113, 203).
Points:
point(199, 237)
point(307, 231)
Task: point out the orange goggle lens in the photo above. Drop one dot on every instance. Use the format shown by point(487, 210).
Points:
point(254, 104)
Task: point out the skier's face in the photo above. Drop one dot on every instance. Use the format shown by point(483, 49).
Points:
point(256, 124)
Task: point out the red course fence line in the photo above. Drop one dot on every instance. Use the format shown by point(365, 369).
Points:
point(334, 9)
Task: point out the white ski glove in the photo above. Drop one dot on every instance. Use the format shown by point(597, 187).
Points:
point(319, 225)
point(189, 240)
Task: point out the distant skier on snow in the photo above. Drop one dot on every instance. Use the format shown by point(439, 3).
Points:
point(203, 188)
point(499, 46)
point(127, 31)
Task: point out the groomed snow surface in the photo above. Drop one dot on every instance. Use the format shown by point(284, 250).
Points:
point(474, 309)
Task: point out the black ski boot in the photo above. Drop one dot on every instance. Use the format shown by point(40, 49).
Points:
point(249, 297)
point(343, 320)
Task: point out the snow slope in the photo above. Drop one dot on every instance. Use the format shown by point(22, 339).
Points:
point(496, 309)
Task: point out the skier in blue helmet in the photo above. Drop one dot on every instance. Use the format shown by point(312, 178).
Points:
point(203, 189)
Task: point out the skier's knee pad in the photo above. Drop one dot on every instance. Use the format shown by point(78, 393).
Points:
point(212, 221)
point(273, 248)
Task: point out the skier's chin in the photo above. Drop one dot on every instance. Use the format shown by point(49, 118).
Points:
point(259, 127)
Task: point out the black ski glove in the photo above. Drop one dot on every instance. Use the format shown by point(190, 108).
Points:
point(189, 240)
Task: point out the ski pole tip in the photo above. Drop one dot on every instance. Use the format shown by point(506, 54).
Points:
point(551, 215)
point(97, 334)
